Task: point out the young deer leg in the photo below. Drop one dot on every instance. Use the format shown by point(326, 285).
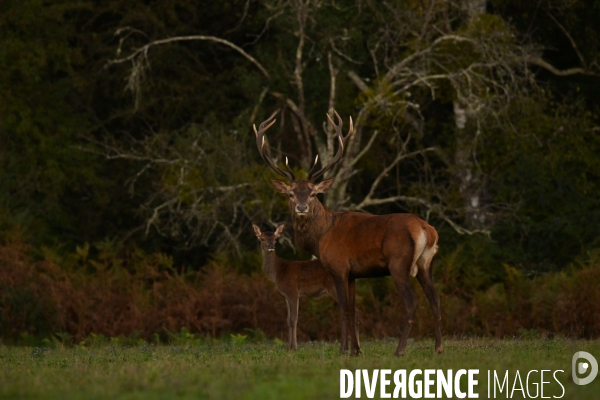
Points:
point(353, 318)
point(425, 279)
point(356, 325)
point(341, 287)
point(402, 281)
point(292, 321)
point(294, 308)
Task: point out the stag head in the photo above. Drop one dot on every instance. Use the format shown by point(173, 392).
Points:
point(302, 192)
point(268, 240)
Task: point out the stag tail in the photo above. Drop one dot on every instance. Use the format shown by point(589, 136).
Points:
point(432, 236)
point(425, 248)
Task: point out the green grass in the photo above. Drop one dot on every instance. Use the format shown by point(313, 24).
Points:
point(226, 370)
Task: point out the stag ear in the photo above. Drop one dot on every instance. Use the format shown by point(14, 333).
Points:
point(280, 186)
point(323, 186)
point(256, 229)
point(279, 230)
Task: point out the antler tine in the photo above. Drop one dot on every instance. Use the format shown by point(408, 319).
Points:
point(262, 128)
point(314, 167)
point(287, 165)
point(261, 145)
point(341, 139)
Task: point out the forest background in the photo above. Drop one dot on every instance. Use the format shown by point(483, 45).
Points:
point(129, 175)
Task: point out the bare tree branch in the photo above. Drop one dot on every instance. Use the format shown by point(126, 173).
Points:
point(343, 55)
point(357, 81)
point(144, 50)
point(333, 71)
point(241, 21)
point(568, 35)
point(566, 72)
point(366, 148)
point(432, 208)
point(368, 199)
point(258, 104)
point(262, 32)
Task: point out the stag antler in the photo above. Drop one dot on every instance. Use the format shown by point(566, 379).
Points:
point(313, 174)
point(260, 143)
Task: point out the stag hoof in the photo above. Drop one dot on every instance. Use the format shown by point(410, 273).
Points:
point(399, 353)
point(355, 352)
point(439, 350)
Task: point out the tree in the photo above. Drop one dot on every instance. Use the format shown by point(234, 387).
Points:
point(431, 86)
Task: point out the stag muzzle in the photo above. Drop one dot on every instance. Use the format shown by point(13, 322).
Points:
point(301, 209)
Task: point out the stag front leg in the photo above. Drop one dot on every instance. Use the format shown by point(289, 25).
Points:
point(353, 318)
point(341, 287)
point(332, 292)
point(402, 282)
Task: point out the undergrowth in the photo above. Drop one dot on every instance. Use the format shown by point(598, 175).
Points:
point(130, 294)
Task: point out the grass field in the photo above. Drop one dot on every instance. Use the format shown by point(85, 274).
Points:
point(265, 370)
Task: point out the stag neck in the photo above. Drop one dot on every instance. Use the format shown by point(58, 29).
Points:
point(270, 262)
point(309, 230)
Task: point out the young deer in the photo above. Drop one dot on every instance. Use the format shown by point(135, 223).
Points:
point(294, 279)
point(354, 245)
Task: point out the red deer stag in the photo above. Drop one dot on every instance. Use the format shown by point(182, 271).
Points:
point(294, 279)
point(355, 245)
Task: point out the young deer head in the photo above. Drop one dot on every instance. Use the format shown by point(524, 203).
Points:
point(268, 240)
point(302, 192)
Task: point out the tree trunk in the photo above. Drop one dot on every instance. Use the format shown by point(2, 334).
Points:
point(469, 177)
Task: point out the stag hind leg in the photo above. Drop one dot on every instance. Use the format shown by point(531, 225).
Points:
point(400, 271)
point(425, 278)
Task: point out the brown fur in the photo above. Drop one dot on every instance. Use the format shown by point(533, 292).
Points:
point(293, 279)
point(355, 245)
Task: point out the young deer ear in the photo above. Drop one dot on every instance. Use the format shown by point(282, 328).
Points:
point(256, 229)
point(279, 230)
point(324, 186)
point(280, 186)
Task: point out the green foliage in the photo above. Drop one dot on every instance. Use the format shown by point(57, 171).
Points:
point(26, 314)
point(50, 185)
point(551, 174)
point(183, 337)
point(238, 339)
